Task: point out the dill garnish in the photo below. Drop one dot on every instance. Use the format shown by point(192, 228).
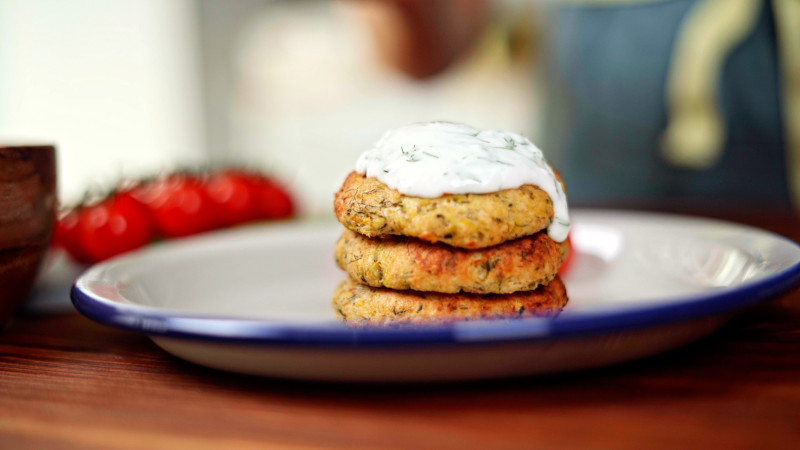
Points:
point(511, 144)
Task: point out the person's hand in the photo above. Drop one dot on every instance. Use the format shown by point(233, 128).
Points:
point(423, 37)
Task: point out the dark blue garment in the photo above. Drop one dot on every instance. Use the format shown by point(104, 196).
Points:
point(607, 110)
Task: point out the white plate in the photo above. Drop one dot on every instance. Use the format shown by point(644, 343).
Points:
point(256, 300)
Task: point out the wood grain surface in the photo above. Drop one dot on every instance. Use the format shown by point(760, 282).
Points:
point(66, 382)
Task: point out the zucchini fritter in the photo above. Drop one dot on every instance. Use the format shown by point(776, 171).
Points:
point(357, 304)
point(407, 263)
point(367, 206)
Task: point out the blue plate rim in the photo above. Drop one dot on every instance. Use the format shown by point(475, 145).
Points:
point(264, 332)
point(160, 323)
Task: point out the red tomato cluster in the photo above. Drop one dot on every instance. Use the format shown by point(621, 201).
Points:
point(171, 206)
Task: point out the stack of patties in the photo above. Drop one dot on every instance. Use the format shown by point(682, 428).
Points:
point(445, 222)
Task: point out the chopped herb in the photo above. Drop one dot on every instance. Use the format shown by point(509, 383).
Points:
point(397, 313)
point(431, 155)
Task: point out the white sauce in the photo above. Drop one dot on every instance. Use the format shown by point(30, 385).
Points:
point(437, 158)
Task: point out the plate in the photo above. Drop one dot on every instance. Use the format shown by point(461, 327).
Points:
point(256, 300)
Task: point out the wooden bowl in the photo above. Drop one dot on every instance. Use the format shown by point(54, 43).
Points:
point(27, 217)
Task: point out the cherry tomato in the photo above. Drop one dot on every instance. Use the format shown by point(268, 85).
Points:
point(181, 207)
point(67, 235)
point(568, 260)
point(135, 198)
point(233, 197)
point(112, 227)
point(272, 200)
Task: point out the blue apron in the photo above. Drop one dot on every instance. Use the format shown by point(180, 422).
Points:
point(607, 110)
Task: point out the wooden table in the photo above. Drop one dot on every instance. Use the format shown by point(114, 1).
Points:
point(67, 382)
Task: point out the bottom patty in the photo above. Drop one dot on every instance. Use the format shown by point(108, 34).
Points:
point(358, 304)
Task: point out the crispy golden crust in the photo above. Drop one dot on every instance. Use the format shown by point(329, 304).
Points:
point(407, 263)
point(367, 206)
point(358, 304)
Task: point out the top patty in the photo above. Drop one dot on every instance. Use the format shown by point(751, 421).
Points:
point(367, 206)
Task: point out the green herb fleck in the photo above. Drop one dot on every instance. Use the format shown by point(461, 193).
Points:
point(511, 144)
point(398, 313)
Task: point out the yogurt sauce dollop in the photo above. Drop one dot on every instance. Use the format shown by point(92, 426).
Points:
point(437, 158)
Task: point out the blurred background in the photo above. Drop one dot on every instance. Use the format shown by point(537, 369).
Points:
point(296, 87)
point(614, 94)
